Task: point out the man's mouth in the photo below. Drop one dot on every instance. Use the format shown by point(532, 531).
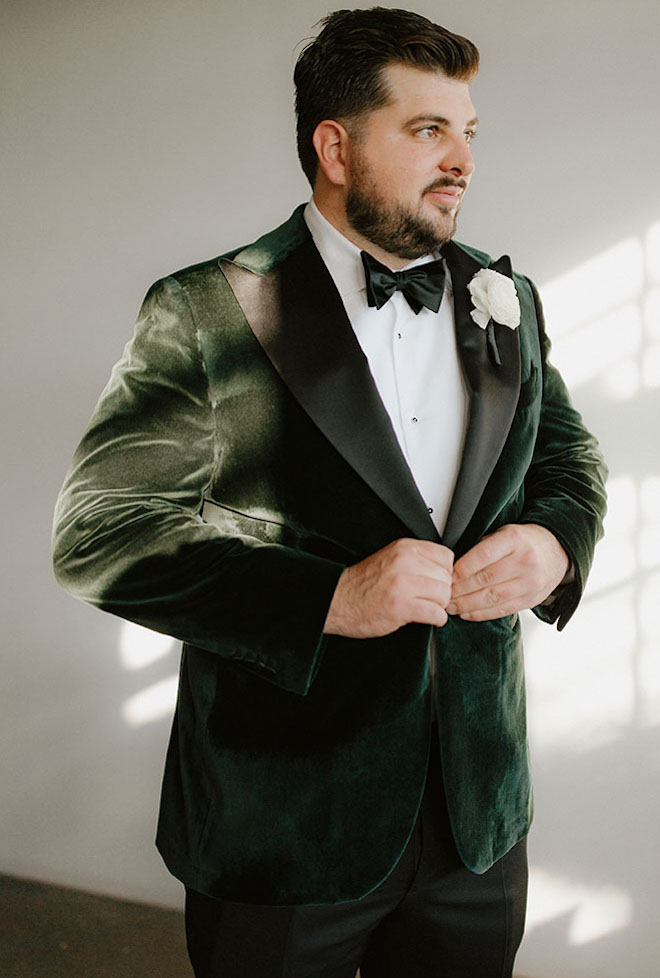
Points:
point(446, 196)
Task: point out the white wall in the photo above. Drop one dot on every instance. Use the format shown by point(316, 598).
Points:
point(140, 137)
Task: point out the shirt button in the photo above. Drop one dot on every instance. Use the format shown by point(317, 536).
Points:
point(399, 335)
point(430, 509)
point(414, 420)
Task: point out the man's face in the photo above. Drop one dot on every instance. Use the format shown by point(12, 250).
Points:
point(410, 163)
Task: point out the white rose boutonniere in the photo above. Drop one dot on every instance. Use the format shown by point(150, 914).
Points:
point(494, 297)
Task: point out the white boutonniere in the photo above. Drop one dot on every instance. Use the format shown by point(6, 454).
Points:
point(494, 297)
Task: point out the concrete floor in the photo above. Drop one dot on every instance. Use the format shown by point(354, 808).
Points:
point(50, 932)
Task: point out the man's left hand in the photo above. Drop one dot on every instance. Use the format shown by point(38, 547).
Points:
point(516, 567)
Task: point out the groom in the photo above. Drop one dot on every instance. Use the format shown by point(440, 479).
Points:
point(336, 464)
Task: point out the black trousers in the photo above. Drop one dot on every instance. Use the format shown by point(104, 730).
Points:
point(431, 918)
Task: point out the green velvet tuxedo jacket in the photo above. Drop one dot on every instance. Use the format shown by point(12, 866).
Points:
point(239, 458)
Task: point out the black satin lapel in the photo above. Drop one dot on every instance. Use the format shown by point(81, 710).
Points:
point(493, 391)
point(298, 317)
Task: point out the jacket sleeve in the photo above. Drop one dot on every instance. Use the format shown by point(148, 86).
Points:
point(565, 483)
point(128, 536)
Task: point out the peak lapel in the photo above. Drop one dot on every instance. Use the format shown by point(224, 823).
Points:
point(298, 317)
point(493, 391)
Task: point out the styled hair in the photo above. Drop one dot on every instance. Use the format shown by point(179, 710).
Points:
point(339, 74)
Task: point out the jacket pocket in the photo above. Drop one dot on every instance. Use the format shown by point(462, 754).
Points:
point(234, 522)
point(528, 390)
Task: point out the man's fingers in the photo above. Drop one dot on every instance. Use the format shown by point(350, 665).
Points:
point(497, 601)
point(432, 589)
point(516, 567)
point(489, 550)
point(433, 554)
point(506, 569)
point(428, 613)
point(498, 611)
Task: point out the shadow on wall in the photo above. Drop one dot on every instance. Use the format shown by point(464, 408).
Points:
point(594, 691)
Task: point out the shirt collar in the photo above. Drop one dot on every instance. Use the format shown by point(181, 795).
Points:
point(341, 256)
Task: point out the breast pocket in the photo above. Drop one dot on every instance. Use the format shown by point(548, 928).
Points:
point(529, 390)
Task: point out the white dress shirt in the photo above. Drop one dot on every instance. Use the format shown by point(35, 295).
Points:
point(414, 362)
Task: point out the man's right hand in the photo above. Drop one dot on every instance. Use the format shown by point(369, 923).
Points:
point(407, 581)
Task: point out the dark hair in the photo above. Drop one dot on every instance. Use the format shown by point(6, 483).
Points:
point(339, 74)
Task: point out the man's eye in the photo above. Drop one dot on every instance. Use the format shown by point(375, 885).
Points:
point(470, 135)
point(428, 132)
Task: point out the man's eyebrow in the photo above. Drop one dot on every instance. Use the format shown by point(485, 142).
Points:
point(439, 120)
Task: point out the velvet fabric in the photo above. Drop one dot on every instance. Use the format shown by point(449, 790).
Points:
point(238, 459)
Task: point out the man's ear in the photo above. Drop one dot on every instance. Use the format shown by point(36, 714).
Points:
point(331, 141)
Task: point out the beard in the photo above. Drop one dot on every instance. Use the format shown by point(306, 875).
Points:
point(397, 229)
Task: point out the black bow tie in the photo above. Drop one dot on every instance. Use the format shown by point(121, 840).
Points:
point(422, 285)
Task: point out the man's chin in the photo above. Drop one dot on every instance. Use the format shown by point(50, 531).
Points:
point(444, 232)
point(447, 232)
point(444, 218)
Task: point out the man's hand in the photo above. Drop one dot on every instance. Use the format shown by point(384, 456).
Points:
point(516, 567)
point(409, 580)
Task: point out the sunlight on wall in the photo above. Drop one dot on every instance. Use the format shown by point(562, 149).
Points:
point(594, 289)
point(153, 703)
point(601, 680)
point(604, 319)
point(649, 651)
point(140, 648)
point(583, 691)
point(653, 253)
point(594, 911)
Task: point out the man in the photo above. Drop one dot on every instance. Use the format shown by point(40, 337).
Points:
point(338, 486)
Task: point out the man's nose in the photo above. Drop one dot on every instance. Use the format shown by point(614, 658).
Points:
point(459, 159)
